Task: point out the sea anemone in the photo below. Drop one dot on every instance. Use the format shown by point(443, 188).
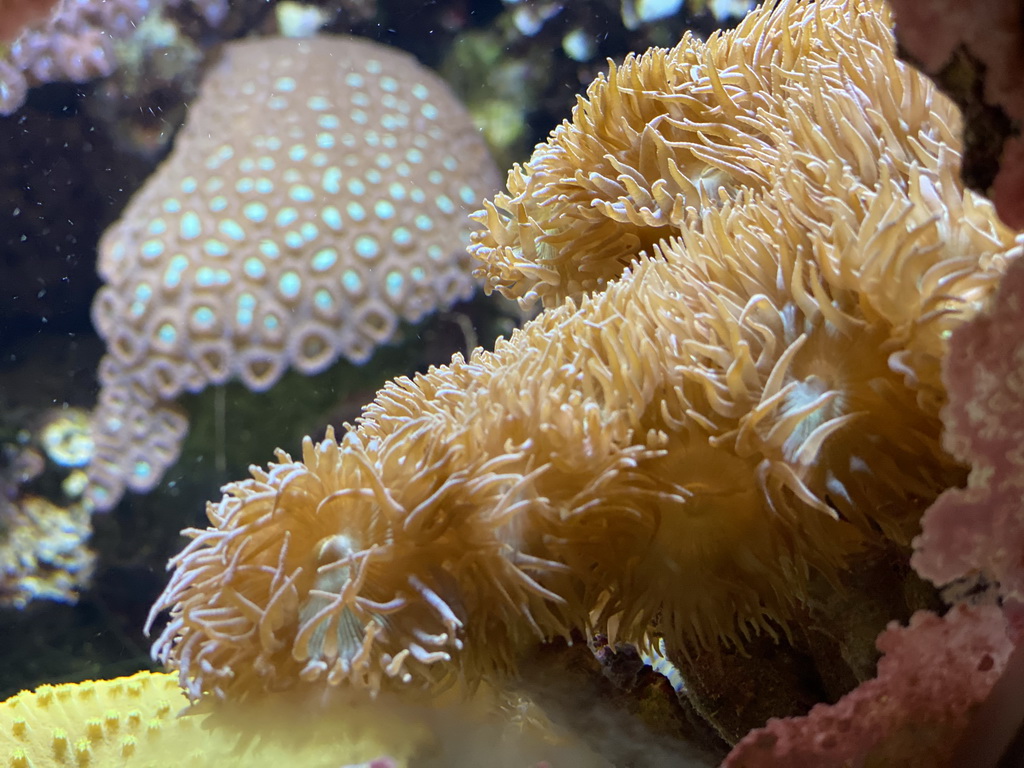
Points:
point(557, 482)
point(803, 372)
point(337, 570)
point(678, 447)
point(670, 133)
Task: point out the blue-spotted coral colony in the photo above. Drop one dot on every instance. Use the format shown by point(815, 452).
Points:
point(318, 194)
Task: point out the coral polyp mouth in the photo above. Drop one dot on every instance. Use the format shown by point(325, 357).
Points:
point(330, 632)
point(343, 633)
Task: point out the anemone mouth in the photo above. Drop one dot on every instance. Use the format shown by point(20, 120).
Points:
point(844, 424)
point(348, 631)
point(329, 630)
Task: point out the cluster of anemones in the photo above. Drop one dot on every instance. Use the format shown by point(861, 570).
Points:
point(752, 251)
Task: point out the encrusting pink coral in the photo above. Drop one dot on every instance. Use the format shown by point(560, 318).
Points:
point(932, 675)
point(977, 533)
point(979, 530)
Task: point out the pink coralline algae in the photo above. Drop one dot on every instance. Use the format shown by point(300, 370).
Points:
point(976, 49)
point(933, 676)
point(75, 43)
point(979, 530)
